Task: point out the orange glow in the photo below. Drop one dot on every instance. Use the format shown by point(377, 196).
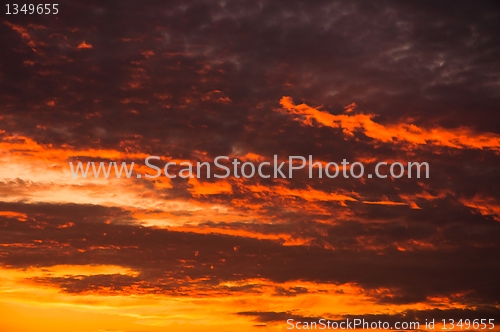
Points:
point(84, 45)
point(11, 214)
point(209, 188)
point(309, 194)
point(384, 203)
point(156, 312)
point(485, 205)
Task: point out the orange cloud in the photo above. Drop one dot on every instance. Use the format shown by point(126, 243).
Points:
point(25, 35)
point(84, 45)
point(384, 203)
point(485, 206)
point(12, 214)
point(209, 188)
point(309, 194)
point(27, 147)
point(462, 137)
point(286, 239)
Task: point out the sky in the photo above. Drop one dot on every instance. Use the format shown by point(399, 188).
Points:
point(364, 81)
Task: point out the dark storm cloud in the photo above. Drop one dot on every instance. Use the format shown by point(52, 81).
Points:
point(185, 263)
point(157, 71)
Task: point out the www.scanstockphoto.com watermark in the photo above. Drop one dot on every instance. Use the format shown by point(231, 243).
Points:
point(223, 167)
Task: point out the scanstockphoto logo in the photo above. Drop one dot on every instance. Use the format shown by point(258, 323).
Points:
point(223, 167)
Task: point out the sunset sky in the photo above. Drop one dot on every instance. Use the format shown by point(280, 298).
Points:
point(365, 81)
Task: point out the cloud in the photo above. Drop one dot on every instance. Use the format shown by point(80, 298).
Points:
point(455, 138)
point(84, 45)
point(189, 81)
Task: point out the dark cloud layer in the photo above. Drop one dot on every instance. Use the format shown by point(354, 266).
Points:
point(155, 71)
point(168, 260)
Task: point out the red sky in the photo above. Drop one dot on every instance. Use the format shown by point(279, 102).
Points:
point(192, 80)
